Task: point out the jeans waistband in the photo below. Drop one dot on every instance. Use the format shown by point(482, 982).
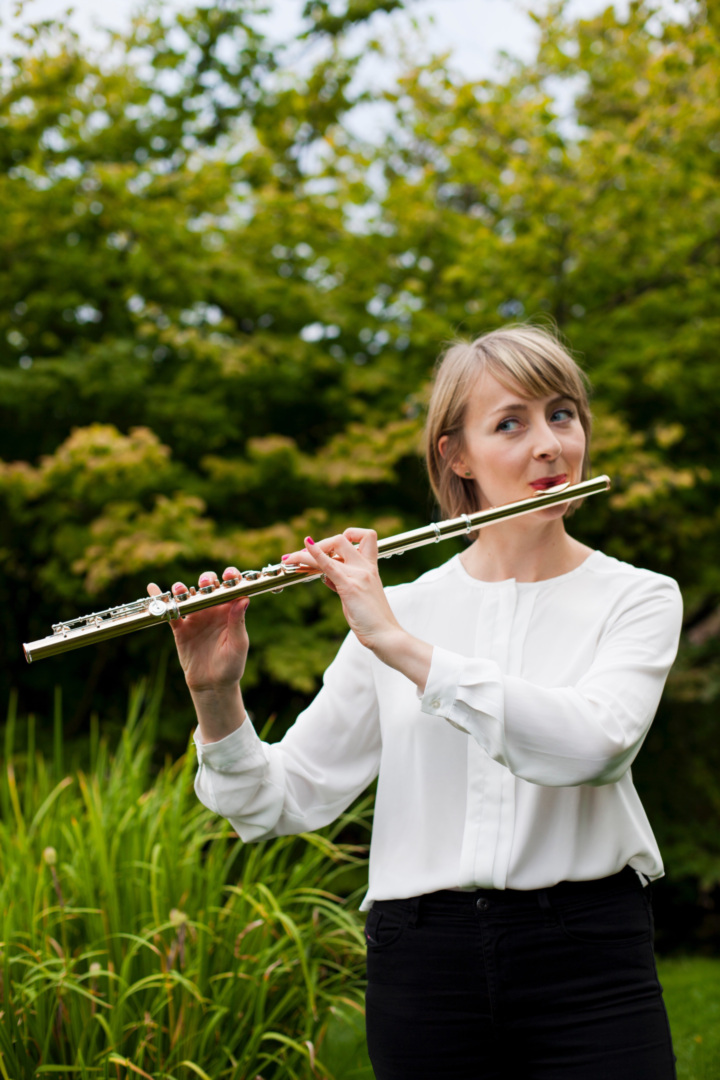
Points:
point(563, 892)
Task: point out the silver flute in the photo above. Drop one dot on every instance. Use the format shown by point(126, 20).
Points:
point(166, 607)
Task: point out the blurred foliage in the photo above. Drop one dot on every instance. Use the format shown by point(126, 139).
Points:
point(221, 307)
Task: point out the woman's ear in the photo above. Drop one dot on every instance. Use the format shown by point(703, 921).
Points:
point(458, 466)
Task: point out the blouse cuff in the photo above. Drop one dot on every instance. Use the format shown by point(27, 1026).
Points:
point(468, 693)
point(242, 749)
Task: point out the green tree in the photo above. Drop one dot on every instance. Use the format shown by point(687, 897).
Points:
point(164, 245)
point(221, 308)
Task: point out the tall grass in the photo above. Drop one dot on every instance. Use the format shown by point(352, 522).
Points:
point(139, 937)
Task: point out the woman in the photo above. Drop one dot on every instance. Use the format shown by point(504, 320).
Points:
point(500, 700)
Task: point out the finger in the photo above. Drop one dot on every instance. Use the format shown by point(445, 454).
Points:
point(323, 561)
point(238, 609)
point(332, 545)
point(336, 546)
point(341, 548)
point(155, 590)
point(237, 631)
point(366, 538)
point(207, 578)
point(230, 572)
point(178, 589)
point(328, 545)
point(299, 558)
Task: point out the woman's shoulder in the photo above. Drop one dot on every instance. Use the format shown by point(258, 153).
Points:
point(623, 589)
point(609, 569)
point(601, 578)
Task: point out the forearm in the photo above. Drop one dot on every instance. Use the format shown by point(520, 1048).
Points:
point(219, 712)
point(554, 736)
point(407, 654)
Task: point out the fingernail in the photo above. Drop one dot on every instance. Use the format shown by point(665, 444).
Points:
point(309, 540)
point(284, 558)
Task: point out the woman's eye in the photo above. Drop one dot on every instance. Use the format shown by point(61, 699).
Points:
point(562, 414)
point(508, 425)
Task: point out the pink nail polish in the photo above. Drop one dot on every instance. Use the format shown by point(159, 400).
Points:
point(309, 540)
point(284, 558)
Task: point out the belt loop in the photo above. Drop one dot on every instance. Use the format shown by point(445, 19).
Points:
point(414, 902)
point(546, 907)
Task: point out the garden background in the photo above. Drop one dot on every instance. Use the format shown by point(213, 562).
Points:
point(221, 299)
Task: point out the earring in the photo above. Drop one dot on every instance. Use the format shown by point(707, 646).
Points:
point(468, 473)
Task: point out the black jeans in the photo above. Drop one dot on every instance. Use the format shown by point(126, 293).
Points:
point(552, 984)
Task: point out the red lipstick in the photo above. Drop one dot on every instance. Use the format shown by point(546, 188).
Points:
point(545, 483)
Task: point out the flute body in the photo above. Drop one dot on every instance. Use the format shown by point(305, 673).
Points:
point(152, 610)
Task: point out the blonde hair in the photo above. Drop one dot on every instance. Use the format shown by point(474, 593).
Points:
point(516, 355)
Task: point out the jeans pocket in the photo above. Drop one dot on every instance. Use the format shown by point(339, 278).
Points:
point(620, 920)
point(385, 925)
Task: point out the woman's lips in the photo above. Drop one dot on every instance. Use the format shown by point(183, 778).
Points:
point(547, 482)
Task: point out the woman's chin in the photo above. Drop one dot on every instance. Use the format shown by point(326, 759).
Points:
point(552, 513)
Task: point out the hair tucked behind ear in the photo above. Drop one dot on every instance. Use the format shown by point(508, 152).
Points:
point(516, 355)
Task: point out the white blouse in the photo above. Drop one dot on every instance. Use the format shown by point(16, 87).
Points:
point(512, 770)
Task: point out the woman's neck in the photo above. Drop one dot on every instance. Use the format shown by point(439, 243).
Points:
point(526, 551)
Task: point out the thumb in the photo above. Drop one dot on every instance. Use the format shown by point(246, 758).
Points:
point(236, 618)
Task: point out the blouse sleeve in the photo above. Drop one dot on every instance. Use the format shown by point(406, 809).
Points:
point(586, 733)
point(327, 758)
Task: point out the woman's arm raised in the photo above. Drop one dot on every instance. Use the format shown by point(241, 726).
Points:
point(212, 648)
point(328, 757)
point(349, 563)
point(588, 731)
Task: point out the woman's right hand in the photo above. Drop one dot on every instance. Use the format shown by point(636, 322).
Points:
point(212, 644)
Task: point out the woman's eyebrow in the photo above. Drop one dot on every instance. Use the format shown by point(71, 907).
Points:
point(516, 406)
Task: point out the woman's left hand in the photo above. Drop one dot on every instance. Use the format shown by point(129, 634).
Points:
point(352, 572)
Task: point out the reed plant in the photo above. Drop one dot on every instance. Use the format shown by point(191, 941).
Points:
point(140, 937)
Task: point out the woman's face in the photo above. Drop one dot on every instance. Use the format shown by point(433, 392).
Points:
point(516, 446)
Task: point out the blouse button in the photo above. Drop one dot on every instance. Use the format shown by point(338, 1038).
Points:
point(482, 904)
point(435, 703)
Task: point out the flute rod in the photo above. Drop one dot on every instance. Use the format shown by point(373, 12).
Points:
point(152, 610)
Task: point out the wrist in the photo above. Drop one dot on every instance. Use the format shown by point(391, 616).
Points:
point(215, 691)
point(220, 711)
point(388, 643)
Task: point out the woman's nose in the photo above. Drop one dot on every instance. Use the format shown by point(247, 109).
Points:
point(547, 444)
